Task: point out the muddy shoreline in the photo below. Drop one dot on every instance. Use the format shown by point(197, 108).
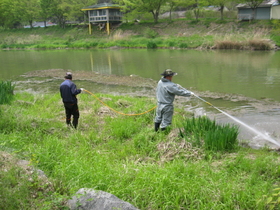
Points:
point(261, 114)
point(48, 81)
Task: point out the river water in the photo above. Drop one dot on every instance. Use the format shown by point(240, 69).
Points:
point(245, 84)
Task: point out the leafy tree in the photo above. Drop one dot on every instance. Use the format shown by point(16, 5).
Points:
point(221, 4)
point(45, 11)
point(9, 16)
point(231, 5)
point(253, 4)
point(151, 6)
point(28, 10)
point(1, 12)
point(13, 12)
point(195, 5)
point(171, 4)
point(60, 9)
point(127, 8)
point(76, 6)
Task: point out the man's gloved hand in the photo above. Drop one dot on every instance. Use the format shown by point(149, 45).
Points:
point(192, 94)
point(82, 90)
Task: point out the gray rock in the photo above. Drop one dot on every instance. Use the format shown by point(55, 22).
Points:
point(89, 199)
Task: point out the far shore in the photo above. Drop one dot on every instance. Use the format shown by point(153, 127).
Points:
point(176, 34)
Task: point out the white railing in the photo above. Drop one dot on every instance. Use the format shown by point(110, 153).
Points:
point(104, 18)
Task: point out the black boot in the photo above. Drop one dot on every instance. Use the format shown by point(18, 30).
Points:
point(75, 123)
point(157, 126)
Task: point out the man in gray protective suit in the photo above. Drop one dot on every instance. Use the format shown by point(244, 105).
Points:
point(166, 91)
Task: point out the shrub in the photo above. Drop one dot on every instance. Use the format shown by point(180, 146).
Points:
point(260, 44)
point(229, 45)
point(150, 33)
point(151, 45)
point(276, 39)
point(171, 43)
point(183, 45)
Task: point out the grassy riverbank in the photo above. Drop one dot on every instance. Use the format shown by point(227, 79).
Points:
point(178, 34)
point(123, 155)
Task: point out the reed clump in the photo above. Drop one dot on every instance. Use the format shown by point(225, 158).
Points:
point(228, 45)
point(254, 44)
point(204, 132)
point(260, 44)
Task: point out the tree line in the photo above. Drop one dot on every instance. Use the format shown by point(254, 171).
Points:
point(15, 13)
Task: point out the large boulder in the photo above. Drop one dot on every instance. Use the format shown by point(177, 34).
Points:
point(89, 199)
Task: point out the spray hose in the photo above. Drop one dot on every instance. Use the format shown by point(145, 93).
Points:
point(208, 103)
point(250, 128)
point(116, 110)
point(240, 122)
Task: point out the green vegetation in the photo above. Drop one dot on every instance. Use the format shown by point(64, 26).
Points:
point(204, 132)
point(24, 189)
point(178, 34)
point(273, 202)
point(6, 92)
point(123, 155)
point(16, 13)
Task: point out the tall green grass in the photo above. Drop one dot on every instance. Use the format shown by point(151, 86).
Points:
point(24, 189)
point(6, 92)
point(204, 132)
point(123, 155)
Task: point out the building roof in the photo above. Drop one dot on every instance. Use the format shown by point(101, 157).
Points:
point(101, 6)
point(265, 3)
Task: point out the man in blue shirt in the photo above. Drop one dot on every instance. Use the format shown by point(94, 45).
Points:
point(166, 91)
point(68, 92)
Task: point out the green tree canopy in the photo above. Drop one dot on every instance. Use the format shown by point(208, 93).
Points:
point(195, 5)
point(151, 6)
point(221, 4)
point(9, 16)
point(28, 10)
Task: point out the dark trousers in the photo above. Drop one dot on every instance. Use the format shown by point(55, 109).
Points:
point(72, 109)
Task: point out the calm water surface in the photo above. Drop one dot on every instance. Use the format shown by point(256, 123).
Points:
point(254, 74)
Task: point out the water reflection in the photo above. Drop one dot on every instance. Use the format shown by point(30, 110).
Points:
point(252, 74)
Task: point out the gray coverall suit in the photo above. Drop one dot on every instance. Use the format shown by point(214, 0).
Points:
point(166, 91)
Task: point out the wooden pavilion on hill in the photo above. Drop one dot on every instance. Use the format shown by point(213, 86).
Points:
point(103, 15)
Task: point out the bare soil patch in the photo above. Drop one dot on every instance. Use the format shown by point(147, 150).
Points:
point(132, 80)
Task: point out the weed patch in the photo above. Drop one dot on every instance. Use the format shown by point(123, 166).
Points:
point(6, 92)
point(123, 155)
point(204, 132)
